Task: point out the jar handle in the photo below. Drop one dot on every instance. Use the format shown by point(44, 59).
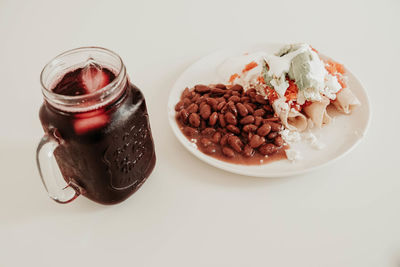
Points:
point(57, 188)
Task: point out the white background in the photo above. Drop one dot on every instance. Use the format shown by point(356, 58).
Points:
point(188, 213)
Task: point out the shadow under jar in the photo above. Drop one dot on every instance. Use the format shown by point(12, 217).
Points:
point(97, 140)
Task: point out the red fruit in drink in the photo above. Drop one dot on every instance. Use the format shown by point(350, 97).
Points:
point(87, 123)
point(93, 78)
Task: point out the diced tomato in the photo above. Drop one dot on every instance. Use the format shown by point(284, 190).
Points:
point(90, 121)
point(233, 77)
point(340, 68)
point(295, 106)
point(250, 66)
point(333, 67)
point(307, 103)
point(330, 69)
point(260, 79)
point(337, 70)
point(313, 49)
point(291, 91)
point(271, 94)
point(94, 79)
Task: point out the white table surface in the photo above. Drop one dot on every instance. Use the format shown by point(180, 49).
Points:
point(188, 213)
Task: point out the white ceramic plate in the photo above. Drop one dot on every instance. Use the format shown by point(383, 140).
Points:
point(339, 137)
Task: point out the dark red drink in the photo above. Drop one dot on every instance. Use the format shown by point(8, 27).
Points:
point(105, 153)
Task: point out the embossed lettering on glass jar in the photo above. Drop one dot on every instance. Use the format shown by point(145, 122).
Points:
point(101, 138)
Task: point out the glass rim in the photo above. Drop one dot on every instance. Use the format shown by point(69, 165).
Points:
point(48, 93)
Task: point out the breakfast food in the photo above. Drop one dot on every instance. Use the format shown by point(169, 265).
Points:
point(296, 84)
point(231, 124)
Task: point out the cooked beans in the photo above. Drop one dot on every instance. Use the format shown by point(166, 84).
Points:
point(232, 108)
point(218, 91)
point(208, 131)
point(264, 130)
point(234, 98)
point(258, 120)
point(189, 131)
point(275, 127)
point(229, 121)
point(247, 120)
point(260, 99)
point(212, 102)
point(180, 105)
point(205, 142)
point(184, 115)
point(194, 119)
point(222, 121)
point(249, 108)
point(248, 151)
point(216, 137)
point(249, 128)
point(221, 105)
point(272, 135)
point(186, 101)
point(233, 129)
point(241, 109)
point(193, 108)
point(205, 111)
point(228, 152)
point(267, 149)
point(278, 141)
point(230, 118)
point(259, 112)
point(235, 143)
point(224, 139)
point(202, 88)
point(256, 141)
point(213, 119)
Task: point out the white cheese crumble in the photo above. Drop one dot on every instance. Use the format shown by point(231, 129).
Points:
point(308, 94)
point(311, 139)
point(332, 87)
point(293, 155)
point(290, 137)
point(280, 106)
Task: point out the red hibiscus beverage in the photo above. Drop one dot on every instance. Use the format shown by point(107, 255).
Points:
point(97, 140)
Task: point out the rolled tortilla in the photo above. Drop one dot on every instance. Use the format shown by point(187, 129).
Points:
point(290, 118)
point(316, 111)
point(346, 101)
point(297, 120)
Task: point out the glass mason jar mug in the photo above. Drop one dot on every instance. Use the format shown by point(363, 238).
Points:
point(97, 140)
